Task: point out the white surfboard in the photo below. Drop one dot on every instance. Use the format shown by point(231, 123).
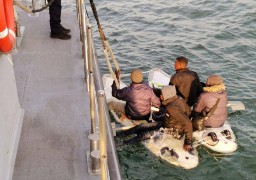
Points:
point(225, 140)
point(161, 143)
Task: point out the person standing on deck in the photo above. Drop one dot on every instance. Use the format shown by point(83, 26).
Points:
point(214, 90)
point(138, 97)
point(57, 30)
point(187, 82)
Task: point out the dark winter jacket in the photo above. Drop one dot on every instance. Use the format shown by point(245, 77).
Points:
point(207, 100)
point(187, 84)
point(177, 113)
point(139, 99)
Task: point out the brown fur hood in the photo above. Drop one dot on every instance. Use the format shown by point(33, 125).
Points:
point(215, 88)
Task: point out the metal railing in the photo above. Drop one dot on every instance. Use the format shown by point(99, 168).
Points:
point(102, 156)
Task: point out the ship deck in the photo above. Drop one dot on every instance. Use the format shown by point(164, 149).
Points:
point(51, 88)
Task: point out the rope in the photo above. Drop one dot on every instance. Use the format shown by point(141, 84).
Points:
point(43, 8)
point(23, 7)
point(112, 54)
point(106, 47)
point(29, 10)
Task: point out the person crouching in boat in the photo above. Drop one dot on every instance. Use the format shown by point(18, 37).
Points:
point(176, 120)
point(214, 90)
point(138, 97)
point(177, 115)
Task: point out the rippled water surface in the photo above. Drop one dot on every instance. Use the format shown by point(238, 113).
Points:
point(217, 37)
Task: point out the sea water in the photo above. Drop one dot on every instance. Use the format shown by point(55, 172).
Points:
point(218, 37)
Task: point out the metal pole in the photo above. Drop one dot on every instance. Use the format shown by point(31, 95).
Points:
point(90, 50)
point(94, 152)
point(94, 142)
point(79, 14)
point(103, 135)
point(92, 104)
point(86, 35)
point(86, 62)
point(91, 82)
point(95, 155)
point(77, 8)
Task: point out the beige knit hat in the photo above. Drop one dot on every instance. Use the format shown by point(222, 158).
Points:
point(214, 80)
point(168, 92)
point(137, 76)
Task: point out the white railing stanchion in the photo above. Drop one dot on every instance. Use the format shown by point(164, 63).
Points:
point(103, 135)
point(91, 82)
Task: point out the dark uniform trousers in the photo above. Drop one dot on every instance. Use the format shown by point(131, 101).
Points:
point(55, 16)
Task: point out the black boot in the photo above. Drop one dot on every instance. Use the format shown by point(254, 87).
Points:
point(60, 35)
point(65, 30)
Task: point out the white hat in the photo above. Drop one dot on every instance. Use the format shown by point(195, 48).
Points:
point(168, 92)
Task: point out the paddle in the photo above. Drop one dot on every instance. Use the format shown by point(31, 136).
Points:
point(236, 105)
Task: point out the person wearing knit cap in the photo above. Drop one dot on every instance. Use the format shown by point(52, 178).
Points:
point(138, 98)
point(187, 82)
point(177, 115)
point(136, 76)
point(214, 90)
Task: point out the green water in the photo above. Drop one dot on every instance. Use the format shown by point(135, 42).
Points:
point(218, 37)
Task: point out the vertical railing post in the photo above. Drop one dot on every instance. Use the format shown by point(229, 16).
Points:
point(86, 63)
point(94, 154)
point(91, 82)
point(103, 135)
point(85, 36)
point(78, 10)
point(79, 14)
point(94, 136)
